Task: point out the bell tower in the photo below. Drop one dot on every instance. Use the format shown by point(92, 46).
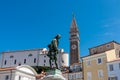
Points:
point(74, 43)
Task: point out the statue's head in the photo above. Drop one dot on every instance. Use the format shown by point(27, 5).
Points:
point(49, 46)
point(58, 36)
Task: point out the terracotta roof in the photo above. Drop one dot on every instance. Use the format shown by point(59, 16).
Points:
point(9, 68)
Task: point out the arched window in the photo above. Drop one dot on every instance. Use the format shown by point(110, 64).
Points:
point(24, 61)
point(34, 60)
point(94, 51)
point(5, 62)
point(108, 46)
point(19, 64)
point(44, 61)
point(11, 56)
point(7, 77)
point(30, 55)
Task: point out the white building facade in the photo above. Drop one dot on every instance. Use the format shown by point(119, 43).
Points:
point(114, 69)
point(19, 73)
point(33, 57)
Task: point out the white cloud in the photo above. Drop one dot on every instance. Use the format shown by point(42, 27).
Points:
point(111, 23)
point(109, 34)
point(106, 25)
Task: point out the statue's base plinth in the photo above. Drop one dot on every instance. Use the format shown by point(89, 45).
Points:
point(54, 74)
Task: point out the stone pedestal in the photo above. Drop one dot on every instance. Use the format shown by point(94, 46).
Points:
point(54, 74)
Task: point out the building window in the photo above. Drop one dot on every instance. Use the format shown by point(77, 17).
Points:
point(119, 54)
point(100, 48)
point(44, 56)
point(99, 60)
point(19, 77)
point(24, 61)
point(119, 65)
point(88, 63)
point(7, 77)
point(5, 62)
point(11, 56)
point(89, 76)
point(44, 64)
point(15, 61)
point(111, 67)
point(69, 76)
point(94, 51)
point(100, 73)
point(62, 61)
point(30, 55)
point(72, 77)
point(34, 60)
point(112, 78)
point(19, 64)
point(108, 46)
point(44, 61)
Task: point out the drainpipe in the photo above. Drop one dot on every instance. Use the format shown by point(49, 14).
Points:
point(10, 74)
point(82, 69)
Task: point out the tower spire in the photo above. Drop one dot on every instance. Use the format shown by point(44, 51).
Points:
point(73, 15)
point(73, 27)
point(74, 42)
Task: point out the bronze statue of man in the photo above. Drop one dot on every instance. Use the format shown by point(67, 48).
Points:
point(53, 50)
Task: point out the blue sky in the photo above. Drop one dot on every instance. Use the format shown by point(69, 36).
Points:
point(28, 24)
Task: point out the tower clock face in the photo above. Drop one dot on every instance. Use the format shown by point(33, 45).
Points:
point(74, 46)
